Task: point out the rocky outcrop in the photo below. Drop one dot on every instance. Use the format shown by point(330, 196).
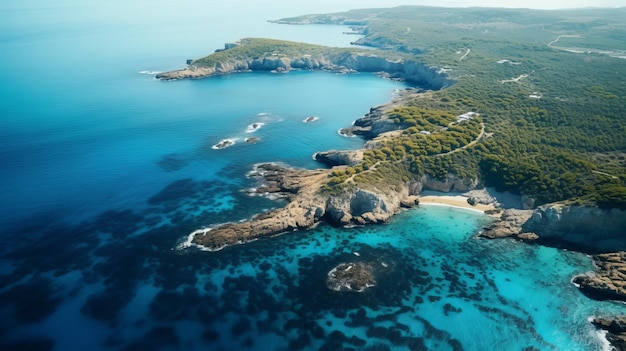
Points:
point(584, 228)
point(373, 123)
point(306, 207)
point(616, 330)
point(608, 281)
point(354, 277)
point(510, 225)
point(339, 158)
point(362, 207)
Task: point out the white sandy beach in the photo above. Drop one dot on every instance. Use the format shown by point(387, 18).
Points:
point(454, 201)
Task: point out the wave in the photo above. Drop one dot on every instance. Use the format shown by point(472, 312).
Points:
point(189, 241)
point(149, 72)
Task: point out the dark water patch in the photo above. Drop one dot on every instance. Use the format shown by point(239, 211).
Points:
point(118, 223)
point(243, 325)
point(57, 248)
point(172, 162)
point(522, 325)
point(158, 338)
point(301, 342)
point(176, 191)
point(415, 344)
point(248, 342)
point(32, 301)
point(32, 344)
point(379, 347)
point(265, 266)
point(358, 318)
point(210, 335)
point(358, 342)
point(171, 305)
point(448, 308)
point(106, 306)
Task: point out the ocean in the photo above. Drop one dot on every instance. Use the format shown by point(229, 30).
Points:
point(105, 171)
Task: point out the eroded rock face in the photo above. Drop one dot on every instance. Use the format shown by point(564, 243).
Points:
point(450, 183)
point(354, 277)
point(361, 207)
point(339, 158)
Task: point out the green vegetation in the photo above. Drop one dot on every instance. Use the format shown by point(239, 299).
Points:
point(256, 48)
point(554, 120)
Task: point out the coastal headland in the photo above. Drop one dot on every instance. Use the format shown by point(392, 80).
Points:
point(254, 54)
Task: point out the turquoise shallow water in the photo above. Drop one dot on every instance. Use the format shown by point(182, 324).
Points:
point(106, 170)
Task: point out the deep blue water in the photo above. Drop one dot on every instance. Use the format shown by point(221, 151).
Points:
point(105, 171)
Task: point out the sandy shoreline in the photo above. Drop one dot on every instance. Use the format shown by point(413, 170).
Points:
point(454, 201)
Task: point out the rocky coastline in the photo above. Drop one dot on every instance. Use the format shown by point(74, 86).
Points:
point(578, 227)
point(306, 207)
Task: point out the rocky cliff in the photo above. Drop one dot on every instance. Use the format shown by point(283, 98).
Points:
point(577, 227)
point(584, 228)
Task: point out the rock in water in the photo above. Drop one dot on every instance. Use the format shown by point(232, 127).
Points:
point(608, 282)
point(351, 277)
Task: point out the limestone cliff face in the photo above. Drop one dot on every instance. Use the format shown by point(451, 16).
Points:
point(583, 228)
point(410, 71)
point(362, 207)
point(450, 183)
point(587, 228)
